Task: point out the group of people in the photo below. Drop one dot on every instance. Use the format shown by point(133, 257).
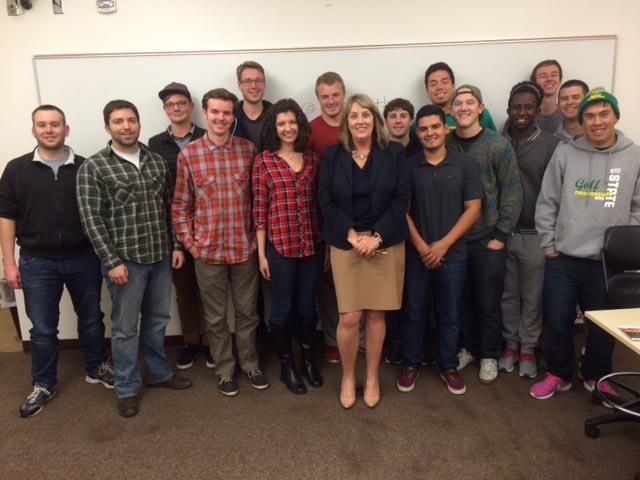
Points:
point(422, 228)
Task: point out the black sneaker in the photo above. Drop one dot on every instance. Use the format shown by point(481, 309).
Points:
point(393, 358)
point(228, 386)
point(189, 355)
point(208, 358)
point(36, 400)
point(257, 379)
point(103, 375)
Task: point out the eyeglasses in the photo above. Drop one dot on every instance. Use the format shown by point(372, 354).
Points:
point(172, 105)
point(258, 82)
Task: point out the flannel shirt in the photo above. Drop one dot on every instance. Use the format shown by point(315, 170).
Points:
point(285, 203)
point(212, 202)
point(125, 211)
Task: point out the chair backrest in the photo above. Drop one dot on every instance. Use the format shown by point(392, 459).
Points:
point(621, 249)
point(621, 261)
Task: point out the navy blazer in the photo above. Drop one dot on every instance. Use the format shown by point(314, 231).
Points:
point(390, 194)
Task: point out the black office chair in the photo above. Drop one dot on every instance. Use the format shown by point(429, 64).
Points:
point(621, 263)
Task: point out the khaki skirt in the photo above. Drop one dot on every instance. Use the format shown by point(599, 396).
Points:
point(368, 284)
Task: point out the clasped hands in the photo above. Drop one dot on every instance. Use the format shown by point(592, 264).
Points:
point(365, 245)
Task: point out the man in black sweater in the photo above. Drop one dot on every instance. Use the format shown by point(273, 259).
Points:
point(38, 208)
point(177, 104)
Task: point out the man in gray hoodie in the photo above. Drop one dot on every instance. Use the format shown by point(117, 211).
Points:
point(591, 183)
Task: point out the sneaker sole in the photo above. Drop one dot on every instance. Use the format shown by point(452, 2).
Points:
point(210, 364)
point(565, 388)
point(331, 361)
point(229, 394)
point(487, 381)
point(259, 387)
point(526, 375)
point(507, 370)
point(95, 381)
point(184, 366)
point(461, 391)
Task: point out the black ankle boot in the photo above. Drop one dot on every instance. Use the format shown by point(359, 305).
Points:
point(288, 373)
point(307, 341)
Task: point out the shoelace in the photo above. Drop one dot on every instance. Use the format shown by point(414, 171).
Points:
point(526, 357)
point(37, 390)
point(225, 378)
point(254, 373)
point(510, 352)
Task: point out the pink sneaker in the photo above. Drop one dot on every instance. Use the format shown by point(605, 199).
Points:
point(605, 388)
point(548, 387)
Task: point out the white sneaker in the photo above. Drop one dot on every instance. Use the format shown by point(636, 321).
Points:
point(464, 358)
point(488, 371)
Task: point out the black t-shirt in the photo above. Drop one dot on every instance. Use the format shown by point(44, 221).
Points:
point(438, 196)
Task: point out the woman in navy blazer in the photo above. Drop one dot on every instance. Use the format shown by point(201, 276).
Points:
point(364, 194)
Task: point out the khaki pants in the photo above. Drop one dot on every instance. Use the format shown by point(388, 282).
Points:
point(214, 281)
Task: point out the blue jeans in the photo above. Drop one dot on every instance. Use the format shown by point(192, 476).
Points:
point(43, 281)
point(567, 281)
point(147, 297)
point(481, 310)
point(447, 282)
point(289, 276)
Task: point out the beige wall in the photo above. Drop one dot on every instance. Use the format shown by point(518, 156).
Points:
point(163, 25)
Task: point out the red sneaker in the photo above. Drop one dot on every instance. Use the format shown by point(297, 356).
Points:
point(455, 383)
point(331, 354)
point(407, 379)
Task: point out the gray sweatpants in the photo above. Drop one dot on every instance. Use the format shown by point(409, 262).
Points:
point(522, 297)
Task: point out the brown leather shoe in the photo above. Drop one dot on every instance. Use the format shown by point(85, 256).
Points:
point(173, 383)
point(128, 406)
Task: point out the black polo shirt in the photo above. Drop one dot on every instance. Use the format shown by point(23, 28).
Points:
point(438, 196)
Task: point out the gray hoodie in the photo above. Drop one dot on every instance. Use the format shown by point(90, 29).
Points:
point(586, 190)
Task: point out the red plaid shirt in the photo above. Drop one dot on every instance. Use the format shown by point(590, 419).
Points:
point(285, 203)
point(212, 202)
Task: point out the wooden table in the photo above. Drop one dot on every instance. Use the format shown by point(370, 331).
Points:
point(612, 320)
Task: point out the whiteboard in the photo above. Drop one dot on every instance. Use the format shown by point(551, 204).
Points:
point(82, 84)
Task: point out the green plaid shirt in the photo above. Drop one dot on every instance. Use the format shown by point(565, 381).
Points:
point(126, 211)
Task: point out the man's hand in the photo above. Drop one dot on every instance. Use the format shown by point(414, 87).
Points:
point(12, 275)
point(436, 255)
point(119, 275)
point(495, 244)
point(177, 259)
point(194, 252)
point(553, 255)
point(263, 264)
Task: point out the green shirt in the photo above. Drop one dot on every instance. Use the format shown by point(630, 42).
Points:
point(126, 211)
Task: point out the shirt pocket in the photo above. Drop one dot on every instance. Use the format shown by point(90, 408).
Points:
point(241, 180)
point(205, 186)
point(123, 193)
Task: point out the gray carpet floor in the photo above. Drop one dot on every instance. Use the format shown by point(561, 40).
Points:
point(492, 432)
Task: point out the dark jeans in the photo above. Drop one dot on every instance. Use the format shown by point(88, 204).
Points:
point(291, 276)
point(190, 311)
point(447, 283)
point(567, 281)
point(481, 310)
point(43, 281)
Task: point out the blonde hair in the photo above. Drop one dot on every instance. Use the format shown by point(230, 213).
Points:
point(379, 136)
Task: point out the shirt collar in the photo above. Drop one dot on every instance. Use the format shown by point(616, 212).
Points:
point(68, 151)
point(212, 146)
point(189, 134)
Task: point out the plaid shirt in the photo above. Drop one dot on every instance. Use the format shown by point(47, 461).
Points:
point(125, 211)
point(285, 203)
point(212, 203)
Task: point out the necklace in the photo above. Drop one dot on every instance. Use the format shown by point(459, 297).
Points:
point(360, 156)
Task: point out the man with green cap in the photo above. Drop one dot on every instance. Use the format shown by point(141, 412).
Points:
point(591, 183)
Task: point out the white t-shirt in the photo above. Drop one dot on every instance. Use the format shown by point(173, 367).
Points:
point(129, 157)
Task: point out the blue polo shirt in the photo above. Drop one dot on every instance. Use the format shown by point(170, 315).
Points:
point(438, 196)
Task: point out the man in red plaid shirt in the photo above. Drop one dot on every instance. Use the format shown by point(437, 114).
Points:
point(212, 218)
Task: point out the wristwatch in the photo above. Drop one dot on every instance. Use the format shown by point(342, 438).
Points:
point(376, 236)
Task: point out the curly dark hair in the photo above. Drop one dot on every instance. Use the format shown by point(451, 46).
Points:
point(270, 138)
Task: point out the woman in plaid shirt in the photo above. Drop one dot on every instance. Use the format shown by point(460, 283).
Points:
point(286, 219)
